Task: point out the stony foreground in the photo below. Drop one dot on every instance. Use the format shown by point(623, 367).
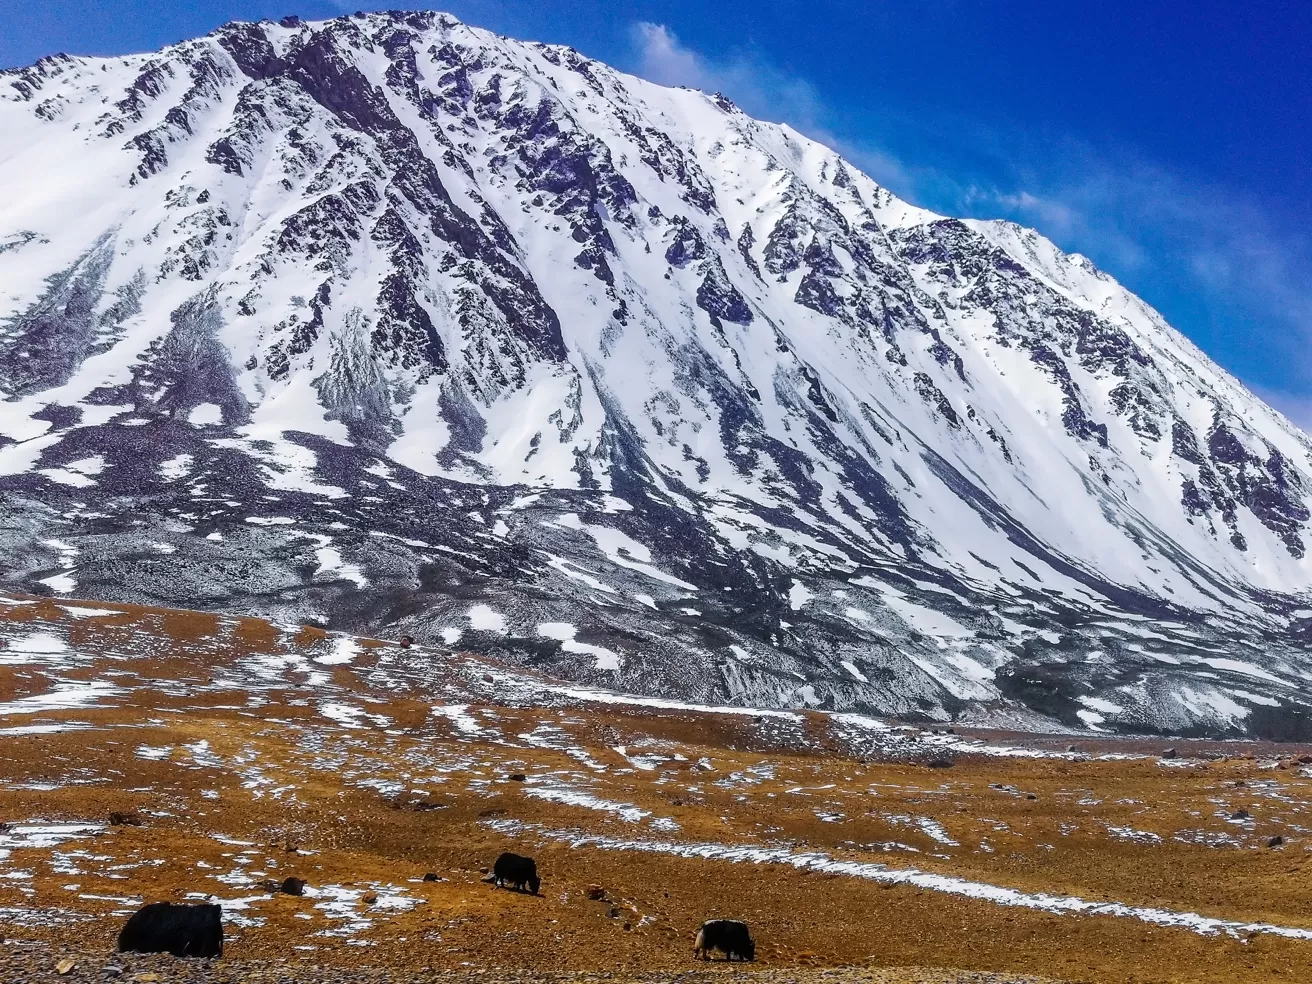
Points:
point(39, 963)
point(149, 755)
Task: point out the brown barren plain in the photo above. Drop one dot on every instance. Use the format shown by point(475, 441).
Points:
point(240, 752)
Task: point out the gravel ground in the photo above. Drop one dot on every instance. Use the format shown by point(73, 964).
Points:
point(21, 963)
point(361, 786)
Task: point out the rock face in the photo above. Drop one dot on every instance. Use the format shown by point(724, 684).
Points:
point(393, 324)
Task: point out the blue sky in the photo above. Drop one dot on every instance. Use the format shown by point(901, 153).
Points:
point(1168, 141)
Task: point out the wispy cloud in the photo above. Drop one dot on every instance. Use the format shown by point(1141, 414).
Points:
point(1235, 280)
point(1171, 233)
point(746, 76)
point(763, 90)
point(666, 61)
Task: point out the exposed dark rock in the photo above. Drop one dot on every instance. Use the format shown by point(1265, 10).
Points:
point(719, 298)
point(48, 341)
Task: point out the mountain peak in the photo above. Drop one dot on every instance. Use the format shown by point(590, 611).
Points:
point(387, 320)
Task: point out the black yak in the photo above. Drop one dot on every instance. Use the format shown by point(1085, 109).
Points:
point(728, 936)
point(518, 872)
point(169, 927)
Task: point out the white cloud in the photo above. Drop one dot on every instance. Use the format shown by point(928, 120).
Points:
point(1145, 217)
point(667, 62)
point(1057, 214)
point(745, 76)
point(761, 89)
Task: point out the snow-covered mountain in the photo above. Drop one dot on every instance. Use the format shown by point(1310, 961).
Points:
point(398, 325)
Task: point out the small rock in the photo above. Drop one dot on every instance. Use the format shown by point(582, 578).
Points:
point(423, 806)
point(1241, 815)
point(369, 898)
point(518, 777)
point(1275, 841)
point(596, 893)
point(112, 970)
point(614, 912)
point(123, 819)
point(431, 877)
point(1030, 796)
point(488, 678)
point(1072, 749)
point(293, 886)
point(1305, 759)
point(65, 966)
point(628, 927)
point(1169, 753)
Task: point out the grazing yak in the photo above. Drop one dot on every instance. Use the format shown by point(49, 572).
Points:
point(728, 936)
point(519, 872)
point(169, 927)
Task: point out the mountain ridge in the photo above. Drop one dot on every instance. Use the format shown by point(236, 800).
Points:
point(388, 321)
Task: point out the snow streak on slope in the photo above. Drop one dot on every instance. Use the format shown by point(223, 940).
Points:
point(388, 319)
